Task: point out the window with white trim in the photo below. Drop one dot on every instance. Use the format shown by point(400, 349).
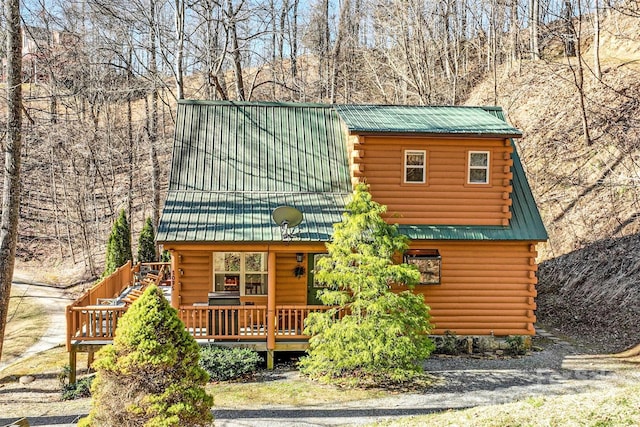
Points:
point(478, 167)
point(415, 166)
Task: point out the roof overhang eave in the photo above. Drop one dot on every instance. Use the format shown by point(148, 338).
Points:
point(353, 132)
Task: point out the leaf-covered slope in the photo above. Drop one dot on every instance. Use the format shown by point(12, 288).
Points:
point(594, 293)
point(587, 193)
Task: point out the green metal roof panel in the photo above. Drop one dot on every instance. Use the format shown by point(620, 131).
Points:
point(226, 146)
point(196, 216)
point(424, 120)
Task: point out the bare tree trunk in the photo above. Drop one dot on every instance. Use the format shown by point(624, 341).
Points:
point(235, 53)
point(514, 30)
point(179, 20)
point(130, 169)
point(578, 74)
point(152, 124)
point(152, 129)
point(336, 57)
point(569, 34)
point(54, 199)
point(534, 21)
point(13, 146)
point(597, 71)
point(294, 41)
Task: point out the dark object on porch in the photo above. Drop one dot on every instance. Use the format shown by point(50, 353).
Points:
point(224, 321)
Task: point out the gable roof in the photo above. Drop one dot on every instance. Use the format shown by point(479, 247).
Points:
point(454, 120)
point(235, 162)
point(246, 146)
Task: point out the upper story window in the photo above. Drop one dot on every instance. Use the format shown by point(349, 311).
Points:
point(415, 166)
point(478, 167)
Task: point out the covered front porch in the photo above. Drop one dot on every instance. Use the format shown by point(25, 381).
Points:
point(240, 315)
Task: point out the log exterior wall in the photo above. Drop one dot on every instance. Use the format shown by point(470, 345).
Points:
point(486, 288)
point(446, 198)
point(196, 280)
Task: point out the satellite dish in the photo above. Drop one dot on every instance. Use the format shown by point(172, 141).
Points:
point(286, 217)
point(288, 214)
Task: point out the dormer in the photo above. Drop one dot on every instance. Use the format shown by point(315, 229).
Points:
point(433, 165)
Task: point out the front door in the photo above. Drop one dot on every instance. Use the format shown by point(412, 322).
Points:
point(312, 286)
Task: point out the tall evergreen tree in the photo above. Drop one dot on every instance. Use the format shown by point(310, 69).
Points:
point(118, 245)
point(150, 375)
point(382, 334)
point(146, 243)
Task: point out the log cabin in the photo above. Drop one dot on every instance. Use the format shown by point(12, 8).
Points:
point(449, 176)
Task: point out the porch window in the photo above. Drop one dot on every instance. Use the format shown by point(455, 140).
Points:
point(245, 272)
point(428, 262)
point(415, 166)
point(478, 167)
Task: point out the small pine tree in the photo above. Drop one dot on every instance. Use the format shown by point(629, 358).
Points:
point(382, 335)
point(150, 375)
point(118, 245)
point(146, 243)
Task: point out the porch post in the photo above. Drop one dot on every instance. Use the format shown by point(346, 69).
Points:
point(73, 358)
point(175, 284)
point(271, 308)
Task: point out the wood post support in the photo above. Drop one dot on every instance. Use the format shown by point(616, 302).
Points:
point(73, 358)
point(271, 301)
point(270, 358)
point(90, 357)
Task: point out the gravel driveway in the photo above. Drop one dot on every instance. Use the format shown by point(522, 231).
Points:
point(561, 368)
point(463, 382)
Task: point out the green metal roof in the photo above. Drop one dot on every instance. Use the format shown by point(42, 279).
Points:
point(196, 216)
point(234, 163)
point(227, 146)
point(473, 121)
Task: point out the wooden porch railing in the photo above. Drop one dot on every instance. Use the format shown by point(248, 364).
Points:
point(245, 322)
point(89, 320)
point(224, 322)
point(93, 322)
point(85, 314)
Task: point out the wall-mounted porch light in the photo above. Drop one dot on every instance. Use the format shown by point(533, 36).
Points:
point(299, 257)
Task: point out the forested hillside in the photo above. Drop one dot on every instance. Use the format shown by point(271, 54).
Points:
point(586, 184)
point(102, 80)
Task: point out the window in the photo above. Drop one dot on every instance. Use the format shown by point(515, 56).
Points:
point(245, 272)
point(428, 262)
point(478, 167)
point(415, 164)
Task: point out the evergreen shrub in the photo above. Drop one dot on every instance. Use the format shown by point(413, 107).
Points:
point(146, 243)
point(373, 332)
point(223, 364)
point(150, 375)
point(118, 245)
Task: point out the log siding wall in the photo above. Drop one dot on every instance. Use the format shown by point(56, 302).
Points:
point(486, 288)
point(446, 198)
point(196, 280)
